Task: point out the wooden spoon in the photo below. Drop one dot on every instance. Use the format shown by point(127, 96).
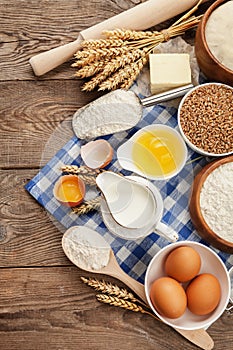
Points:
point(199, 337)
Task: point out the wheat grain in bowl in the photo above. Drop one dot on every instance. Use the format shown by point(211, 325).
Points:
point(205, 118)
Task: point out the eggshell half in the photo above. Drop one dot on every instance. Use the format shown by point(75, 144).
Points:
point(69, 190)
point(97, 154)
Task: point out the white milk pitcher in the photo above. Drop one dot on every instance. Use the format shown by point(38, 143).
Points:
point(132, 207)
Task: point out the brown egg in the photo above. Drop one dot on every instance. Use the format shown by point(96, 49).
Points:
point(183, 263)
point(203, 294)
point(168, 297)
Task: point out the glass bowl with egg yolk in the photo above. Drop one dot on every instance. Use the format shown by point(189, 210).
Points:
point(156, 151)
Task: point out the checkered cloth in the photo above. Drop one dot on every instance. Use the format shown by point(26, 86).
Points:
point(133, 256)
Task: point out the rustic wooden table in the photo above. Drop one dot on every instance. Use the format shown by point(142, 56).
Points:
point(43, 303)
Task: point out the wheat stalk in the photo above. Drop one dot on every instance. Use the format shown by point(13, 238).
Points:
point(125, 304)
point(111, 289)
point(87, 206)
point(88, 56)
point(115, 61)
point(90, 69)
point(103, 43)
point(88, 180)
point(82, 170)
point(110, 67)
point(86, 174)
point(127, 34)
point(125, 75)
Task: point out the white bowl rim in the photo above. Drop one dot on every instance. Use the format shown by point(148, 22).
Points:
point(189, 143)
point(202, 324)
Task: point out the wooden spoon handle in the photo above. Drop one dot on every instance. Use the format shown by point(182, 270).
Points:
point(199, 337)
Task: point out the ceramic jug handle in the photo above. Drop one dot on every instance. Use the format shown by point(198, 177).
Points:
point(166, 231)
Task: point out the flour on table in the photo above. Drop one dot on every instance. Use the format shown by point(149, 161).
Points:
point(216, 201)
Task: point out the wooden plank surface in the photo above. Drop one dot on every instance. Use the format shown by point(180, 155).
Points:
point(30, 27)
point(50, 308)
point(43, 303)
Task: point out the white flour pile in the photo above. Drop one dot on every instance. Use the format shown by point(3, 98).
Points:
point(219, 34)
point(216, 201)
point(116, 111)
point(86, 248)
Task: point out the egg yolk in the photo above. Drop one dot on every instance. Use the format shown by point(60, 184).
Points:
point(69, 191)
point(152, 154)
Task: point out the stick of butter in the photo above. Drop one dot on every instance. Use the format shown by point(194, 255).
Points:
point(169, 71)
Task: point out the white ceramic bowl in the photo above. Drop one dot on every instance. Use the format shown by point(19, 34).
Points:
point(210, 263)
point(189, 143)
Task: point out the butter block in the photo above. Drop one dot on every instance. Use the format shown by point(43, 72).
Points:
point(168, 71)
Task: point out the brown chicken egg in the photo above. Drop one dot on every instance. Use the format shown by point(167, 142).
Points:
point(168, 297)
point(203, 294)
point(183, 263)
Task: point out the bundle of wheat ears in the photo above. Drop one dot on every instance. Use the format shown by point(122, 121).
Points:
point(113, 295)
point(115, 62)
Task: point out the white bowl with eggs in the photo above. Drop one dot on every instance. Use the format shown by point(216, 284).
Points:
point(207, 274)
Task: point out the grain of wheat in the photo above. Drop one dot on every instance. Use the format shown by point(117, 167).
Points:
point(206, 118)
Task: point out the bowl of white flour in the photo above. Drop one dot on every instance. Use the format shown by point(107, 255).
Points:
point(211, 203)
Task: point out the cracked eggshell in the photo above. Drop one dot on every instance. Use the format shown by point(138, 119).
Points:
point(69, 190)
point(97, 154)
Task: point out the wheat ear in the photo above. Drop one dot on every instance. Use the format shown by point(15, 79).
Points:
point(127, 34)
point(83, 170)
point(125, 304)
point(111, 289)
point(102, 43)
point(87, 206)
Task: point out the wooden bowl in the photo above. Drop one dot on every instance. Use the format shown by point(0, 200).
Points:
point(195, 211)
point(209, 65)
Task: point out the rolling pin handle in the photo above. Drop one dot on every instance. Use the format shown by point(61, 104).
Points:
point(48, 60)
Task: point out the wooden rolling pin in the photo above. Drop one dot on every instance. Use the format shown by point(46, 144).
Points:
point(140, 17)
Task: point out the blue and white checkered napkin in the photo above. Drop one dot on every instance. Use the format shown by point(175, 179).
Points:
point(133, 256)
